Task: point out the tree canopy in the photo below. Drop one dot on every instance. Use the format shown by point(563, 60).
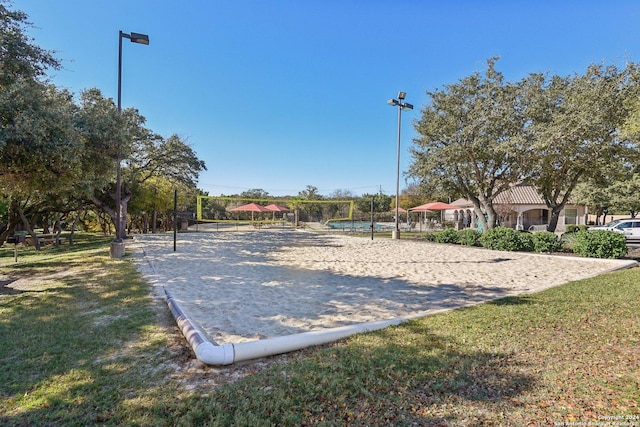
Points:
point(574, 130)
point(20, 58)
point(469, 140)
point(59, 154)
point(481, 135)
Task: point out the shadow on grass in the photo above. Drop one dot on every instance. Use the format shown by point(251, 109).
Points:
point(5, 289)
point(83, 243)
point(68, 351)
point(514, 300)
point(390, 377)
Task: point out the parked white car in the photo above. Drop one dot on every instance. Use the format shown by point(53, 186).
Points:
point(630, 227)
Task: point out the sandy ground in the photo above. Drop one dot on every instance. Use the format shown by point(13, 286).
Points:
point(243, 286)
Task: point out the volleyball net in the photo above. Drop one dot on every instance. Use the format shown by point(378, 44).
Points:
point(221, 209)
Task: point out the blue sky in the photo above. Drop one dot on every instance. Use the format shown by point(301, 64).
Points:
point(282, 94)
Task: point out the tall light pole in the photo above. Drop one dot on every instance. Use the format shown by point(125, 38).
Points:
point(401, 106)
point(117, 246)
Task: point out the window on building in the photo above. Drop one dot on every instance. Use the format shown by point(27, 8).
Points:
point(571, 216)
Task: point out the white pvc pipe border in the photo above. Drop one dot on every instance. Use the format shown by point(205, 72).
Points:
point(211, 354)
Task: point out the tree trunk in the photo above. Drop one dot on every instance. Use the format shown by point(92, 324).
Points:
point(45, 224)
point(112, 213)
point(484, 211)
point(123, 215)
point(556, 208)
point(57, 227)
point(13, 220)
point(106, 209)
point(74, 223)
point(477, 209)
point(598, 213)
point(492, 216)
point(29, 229)
point(154, 225)
point(553, 219)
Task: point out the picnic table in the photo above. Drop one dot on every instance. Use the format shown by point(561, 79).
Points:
point(44, 238)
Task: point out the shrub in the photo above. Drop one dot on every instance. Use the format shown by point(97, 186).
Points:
point(546, 241)
point(525, 241)
point(568, 241)
point(600, 244)
point(430, 236)
point(447, 236)
point(448, 224)
point(469, 237)
point(572, 228)
point(506, 239)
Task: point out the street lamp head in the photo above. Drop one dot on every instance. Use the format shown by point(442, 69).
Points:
point(139, 38)
point(402, 95)
point(406, 106)
point(393, 102)
point(135, 37)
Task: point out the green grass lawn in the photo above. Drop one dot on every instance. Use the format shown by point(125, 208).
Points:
point(82, 343)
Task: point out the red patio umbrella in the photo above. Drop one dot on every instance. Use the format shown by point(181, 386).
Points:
point(420, 208)
point(439, 206)
point(276, 208)
point(400, 211)
point(250, 207)
point(434, 206)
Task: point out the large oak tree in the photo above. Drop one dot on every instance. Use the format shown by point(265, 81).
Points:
point(469, 140)
point(574, 130)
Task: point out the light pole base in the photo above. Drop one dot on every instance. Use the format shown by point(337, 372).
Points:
point(395, 234)
point(117, 249)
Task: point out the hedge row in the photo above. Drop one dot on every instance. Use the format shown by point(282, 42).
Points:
point(594, 244)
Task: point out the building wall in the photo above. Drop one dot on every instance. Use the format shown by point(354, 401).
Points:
point(535, 215)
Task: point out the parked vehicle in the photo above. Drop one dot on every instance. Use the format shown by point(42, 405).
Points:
point(630, 227)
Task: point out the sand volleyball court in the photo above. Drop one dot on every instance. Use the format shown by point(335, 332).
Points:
point(245, 286)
